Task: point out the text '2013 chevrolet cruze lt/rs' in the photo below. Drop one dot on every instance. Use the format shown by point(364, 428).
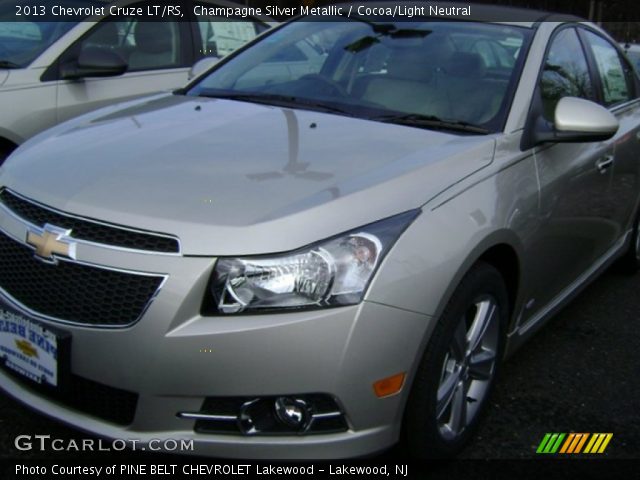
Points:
point(325, 244)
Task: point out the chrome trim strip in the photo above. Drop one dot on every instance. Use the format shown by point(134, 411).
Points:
point(326, 415)
point(231, 418)
point(204, 416)
point(96, 222)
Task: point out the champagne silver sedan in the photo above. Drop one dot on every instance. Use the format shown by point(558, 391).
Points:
point(325, 244)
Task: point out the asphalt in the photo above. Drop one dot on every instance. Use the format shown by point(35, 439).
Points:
point(578, 374)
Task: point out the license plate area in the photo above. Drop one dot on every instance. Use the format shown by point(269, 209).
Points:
point(35, 352)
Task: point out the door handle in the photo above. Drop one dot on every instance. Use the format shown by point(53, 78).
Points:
point(604, 163)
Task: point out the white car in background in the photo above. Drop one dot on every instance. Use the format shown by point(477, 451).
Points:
point(53, 71)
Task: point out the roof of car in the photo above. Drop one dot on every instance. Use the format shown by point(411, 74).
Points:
point(523, 17)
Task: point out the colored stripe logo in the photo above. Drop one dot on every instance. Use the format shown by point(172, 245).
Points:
point(574, 443)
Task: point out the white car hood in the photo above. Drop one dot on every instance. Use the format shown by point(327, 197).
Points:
point(235, 178)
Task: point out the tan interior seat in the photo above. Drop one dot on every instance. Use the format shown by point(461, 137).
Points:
point(154, 46)
point(406, 87)
point(471, 96)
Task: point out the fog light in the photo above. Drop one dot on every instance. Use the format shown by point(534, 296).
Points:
point(304, 414)
point(293, 412)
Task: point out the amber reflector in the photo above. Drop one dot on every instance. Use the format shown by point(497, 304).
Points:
point(389, 386)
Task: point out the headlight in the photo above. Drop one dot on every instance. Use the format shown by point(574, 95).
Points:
point(329, 273)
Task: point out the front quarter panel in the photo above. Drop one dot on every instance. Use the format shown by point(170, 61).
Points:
point(497, 206)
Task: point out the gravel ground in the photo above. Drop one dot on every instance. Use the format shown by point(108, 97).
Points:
point(578, 374)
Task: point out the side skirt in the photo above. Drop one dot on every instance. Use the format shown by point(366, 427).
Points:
point(525, 331)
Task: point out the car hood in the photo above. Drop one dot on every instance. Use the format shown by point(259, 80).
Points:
point(4, 74)
point(231, 177)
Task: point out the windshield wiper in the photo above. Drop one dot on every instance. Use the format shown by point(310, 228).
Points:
point(382, 28)
point(430, 121)
point(9, 64)
point(389, 28)
point(277, 100)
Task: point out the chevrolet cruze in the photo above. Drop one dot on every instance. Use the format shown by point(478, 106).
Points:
point(324, 245)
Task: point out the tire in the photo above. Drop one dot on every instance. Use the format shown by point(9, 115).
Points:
point(629, 263)
point(454, 380)
point(4, 153)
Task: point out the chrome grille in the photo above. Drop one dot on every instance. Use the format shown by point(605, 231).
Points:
point(86, 229)
point(74, 292)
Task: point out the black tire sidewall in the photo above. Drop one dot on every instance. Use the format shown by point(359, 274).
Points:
point(420, 429)
point(5, 151)
point(629, 262)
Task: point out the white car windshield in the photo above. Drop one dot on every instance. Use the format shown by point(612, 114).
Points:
point(458, 75)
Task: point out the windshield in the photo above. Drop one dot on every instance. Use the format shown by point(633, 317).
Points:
point(428, 74)
point(22, 42)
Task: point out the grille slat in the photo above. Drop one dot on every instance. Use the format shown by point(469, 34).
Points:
point(84, 229)
point(74, 292)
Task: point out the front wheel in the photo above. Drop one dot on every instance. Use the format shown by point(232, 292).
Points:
point(454, 380)
point(629, 263)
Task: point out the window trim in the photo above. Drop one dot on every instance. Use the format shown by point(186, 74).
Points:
point(632, 88)
point(535, 107)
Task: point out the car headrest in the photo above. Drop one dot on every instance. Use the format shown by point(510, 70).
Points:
point(466, 65)
point(409, 64)
point(153, 37)
point(105, 35)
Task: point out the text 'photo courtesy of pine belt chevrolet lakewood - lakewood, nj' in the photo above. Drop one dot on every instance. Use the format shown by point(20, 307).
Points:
point(326, 242)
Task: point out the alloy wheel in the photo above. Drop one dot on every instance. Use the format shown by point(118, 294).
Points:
point(468, 368)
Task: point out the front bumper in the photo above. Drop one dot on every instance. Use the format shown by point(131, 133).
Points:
point(173, 358)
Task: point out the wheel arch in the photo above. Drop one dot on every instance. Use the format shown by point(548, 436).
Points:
point(504, 258)
point(501, 249)
point(6, 142)
point(501, 252)
point(6, 147)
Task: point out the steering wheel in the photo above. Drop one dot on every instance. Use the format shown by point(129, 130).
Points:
point(335, 87)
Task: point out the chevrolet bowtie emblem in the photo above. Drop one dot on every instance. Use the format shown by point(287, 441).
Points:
point(26, 348)
point(50, 242)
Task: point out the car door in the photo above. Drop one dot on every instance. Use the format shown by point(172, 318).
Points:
point(158, 55)
point(619, 93)
point(577, 225)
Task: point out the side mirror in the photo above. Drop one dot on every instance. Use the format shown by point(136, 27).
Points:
point(94, 62)
point(577, 120)
point(202, 66)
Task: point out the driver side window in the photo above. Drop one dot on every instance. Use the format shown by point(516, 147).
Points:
point(143, 45)
point(566, 72)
